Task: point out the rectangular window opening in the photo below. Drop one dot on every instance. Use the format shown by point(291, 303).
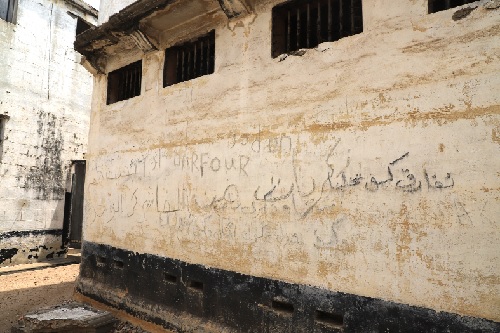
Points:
point(8, 9)
point(282, 306)
point(189, 60)
point(196, 285)
point(439, 5)
point(305, 24)
point(329, 318)
point(170, 278)
point(125, 82)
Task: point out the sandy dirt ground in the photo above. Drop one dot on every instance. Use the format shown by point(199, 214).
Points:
point(22, 292)
point(25, 291)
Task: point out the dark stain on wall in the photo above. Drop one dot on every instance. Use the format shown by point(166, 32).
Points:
point(31, 252)
point(178, 293)
point(7, 254)
point(29, 233)
point(46, 178)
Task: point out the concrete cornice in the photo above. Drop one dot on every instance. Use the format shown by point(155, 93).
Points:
point(92, 43)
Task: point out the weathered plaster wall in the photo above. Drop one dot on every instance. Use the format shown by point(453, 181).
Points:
point(46, 94)
point(368, 165)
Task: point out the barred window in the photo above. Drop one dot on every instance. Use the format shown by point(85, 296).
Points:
point(8, 10)
point(305, 24)
point(125, 83)
point(439, 5)
point(189, 60)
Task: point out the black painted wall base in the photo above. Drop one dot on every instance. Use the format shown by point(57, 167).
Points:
point(18, 247)
point(183, 296)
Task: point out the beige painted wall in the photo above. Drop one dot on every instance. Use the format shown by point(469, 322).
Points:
point(369, 165)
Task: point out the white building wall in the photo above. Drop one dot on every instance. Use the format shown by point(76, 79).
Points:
point(45, 93)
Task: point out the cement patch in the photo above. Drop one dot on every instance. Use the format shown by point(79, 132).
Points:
point(71, 317)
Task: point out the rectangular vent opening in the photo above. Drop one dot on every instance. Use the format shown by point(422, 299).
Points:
point(170, 278)
point(306, 24)
point(101, 260)
point(196, 285)
point(125, 82)
point(118, 263)
point(282, 306)
point(189, 60)
point(439, 5)
point(329, 318)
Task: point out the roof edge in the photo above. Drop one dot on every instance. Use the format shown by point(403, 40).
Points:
point(125, 20)
point(84, 7)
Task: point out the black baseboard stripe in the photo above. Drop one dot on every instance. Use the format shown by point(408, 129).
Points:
point(29, 233)
point(181, 296)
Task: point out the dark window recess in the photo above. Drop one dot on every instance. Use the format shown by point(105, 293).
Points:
point(125, 83)
point(8, 10)
point(305, 24)
point(118, 263)
point(100, 260)
point(281, 306)
point(81, 26)
point(330, 319)
point(196, 285)
point(170, 278)
point(439, 5)
point(189, 60)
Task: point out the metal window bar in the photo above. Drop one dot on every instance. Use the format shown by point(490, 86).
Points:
point(125, 83)
point(318, 25)
point(189, 60)
point(353, 27)
point(440, 5)
point(305, 25)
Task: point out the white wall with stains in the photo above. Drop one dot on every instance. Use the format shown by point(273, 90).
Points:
point(45, 97)
point(367, 165)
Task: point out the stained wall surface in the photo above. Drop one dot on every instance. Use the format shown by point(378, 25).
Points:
point(367, 165)
point(45, 97)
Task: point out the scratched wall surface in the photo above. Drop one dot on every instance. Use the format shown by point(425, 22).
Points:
point(45, 103)
point(367, 165)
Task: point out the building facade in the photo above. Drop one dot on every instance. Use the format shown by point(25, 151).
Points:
point(312, 166)
point(45, 97)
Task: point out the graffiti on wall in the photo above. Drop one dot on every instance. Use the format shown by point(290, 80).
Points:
point(243, 179)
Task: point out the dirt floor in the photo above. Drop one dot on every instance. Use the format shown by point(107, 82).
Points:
point(22, 292)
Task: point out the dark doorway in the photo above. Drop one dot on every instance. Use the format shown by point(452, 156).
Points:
point(73, 207)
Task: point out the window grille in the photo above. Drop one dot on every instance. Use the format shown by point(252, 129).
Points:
point(125, 83)
point(305, 24)
point(8, 9)
point(189, 60)
point(439, 5)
